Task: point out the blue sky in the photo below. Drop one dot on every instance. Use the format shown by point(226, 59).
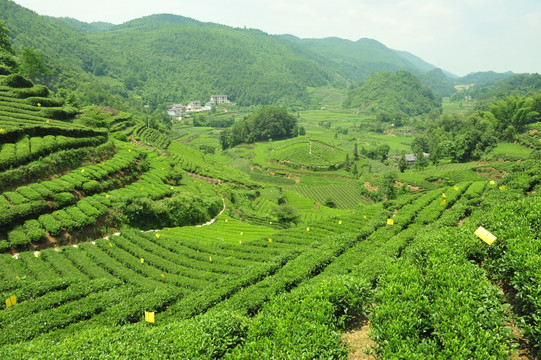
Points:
point(460, 36)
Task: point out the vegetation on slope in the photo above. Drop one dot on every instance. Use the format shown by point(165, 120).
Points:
point(268, 123)
point(393, 93)
point(96, 229)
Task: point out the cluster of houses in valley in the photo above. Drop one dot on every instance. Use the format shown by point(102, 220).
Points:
point(179, 111)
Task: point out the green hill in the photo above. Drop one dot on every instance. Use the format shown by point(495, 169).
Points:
point(166, 58)
point(438, 82)
point(357, 60)
point(123, 240)
point(393, 93)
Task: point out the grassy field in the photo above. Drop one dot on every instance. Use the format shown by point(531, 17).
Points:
point(508, 152)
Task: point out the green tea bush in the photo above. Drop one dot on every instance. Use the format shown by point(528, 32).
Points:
point(316, 311)
point(18, 238)
point(17, 81)
point(91, 187)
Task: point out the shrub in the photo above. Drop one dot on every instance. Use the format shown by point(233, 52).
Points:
point(4, 71)
point(36, 90)
point(34, 230)
point(50, 224)
point(91, 187)
point(119, 135)
point(63, 199)
point(287, 214)
point(4, 245)
point(17, 81)
point(63, 113)
point(45, 101)
point(17, 238)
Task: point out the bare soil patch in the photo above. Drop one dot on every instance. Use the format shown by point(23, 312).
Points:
point(368, 186)
point(358, 341)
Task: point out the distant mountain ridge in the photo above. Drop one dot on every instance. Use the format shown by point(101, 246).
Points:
point(357, 60)
point(169, 58)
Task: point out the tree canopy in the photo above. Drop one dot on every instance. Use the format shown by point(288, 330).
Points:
point(270, 122)
point(400, 92)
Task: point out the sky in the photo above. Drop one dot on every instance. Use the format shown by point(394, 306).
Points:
point(459, 36)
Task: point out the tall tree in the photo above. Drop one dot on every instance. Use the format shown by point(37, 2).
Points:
point(402, 164)
point(33, 63)
point(5, 41)
point(6, 50)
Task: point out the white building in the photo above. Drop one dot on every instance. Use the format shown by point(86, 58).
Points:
point(219, 99)
point(194, 106)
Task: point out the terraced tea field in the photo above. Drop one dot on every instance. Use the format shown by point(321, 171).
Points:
point(113, 250)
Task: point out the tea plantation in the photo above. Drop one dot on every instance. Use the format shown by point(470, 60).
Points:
point(120, 242)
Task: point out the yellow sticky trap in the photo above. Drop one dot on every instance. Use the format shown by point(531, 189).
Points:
point(241, 233)
point(339, 222)
point(129, 150)
point(39, 104)
point(10, 301)
point(225, 220)
point(443, 195)
point(485, 235)
point(149, 316)
point(210, 258)
point(502, 187)
point(107, 196)
point(47, 121)
point(390, 222)
point(82, 170)
point(163, 276)
point(157, 235)
point(142, 261)
point(37, 254)
point(443, 202)
point(307, 229)
point(110, 245)
point(142, 188)
point(172, 188)
point(492, 182)
point(17, 277)
point(163, 168)
point(270, 222)
point(364, 217)
point(2, 130)
point(456, 188)
point(270, 240)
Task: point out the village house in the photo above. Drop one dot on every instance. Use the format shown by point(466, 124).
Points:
point(194, 106)
point(410, 157)
point(219, 99)
point(176, 111)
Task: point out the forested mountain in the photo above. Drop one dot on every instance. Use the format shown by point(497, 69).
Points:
point(437, 81)
point(357, 60)
point(168, 58)
point(484, 78)
point(516, 85)
point(400, 92)
point(90, 27)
